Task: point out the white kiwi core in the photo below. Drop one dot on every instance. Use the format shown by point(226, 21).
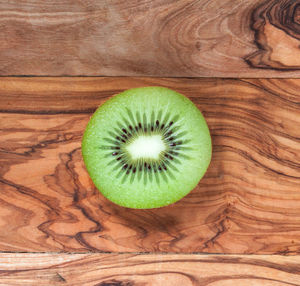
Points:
point(146, 147)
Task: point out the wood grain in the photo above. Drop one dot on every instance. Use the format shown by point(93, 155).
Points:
point(138, 270)
point(187, 38)
point(277, 27)
point(248, 202)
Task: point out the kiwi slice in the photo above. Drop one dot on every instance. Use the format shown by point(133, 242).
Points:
point(146, 147)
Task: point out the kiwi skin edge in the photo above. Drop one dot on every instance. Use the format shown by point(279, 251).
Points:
point(152, 190)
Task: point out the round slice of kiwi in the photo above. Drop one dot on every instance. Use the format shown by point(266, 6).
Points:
point(146, 147)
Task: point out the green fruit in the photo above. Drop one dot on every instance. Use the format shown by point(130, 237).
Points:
point(146, 147)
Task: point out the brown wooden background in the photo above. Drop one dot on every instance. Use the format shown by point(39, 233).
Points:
point(187, 38)
point(240, 226)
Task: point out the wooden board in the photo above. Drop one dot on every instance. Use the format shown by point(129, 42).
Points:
point(134, 269)
point(187, 38)
point(248, 202)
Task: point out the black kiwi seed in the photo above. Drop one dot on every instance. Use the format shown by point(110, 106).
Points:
point(136, 128)
point(125, 166)
point(171, 123)
point(130, 127)
point(115, 153)
point(149, 167)
point(171, 139)
point(140, 125)
point(159, 168)
point(157, 122)
point(124, 130)
point(118, 138)
point(173, 144)
point(128, 171)
point(134, 170)
point(124, 136)
point(152, 128)
point(119, 158)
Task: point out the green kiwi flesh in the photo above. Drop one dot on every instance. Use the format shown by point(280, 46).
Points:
point(146, 147)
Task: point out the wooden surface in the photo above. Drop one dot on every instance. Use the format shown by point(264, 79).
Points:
point(241, 38)
point(136, 270)
point(248, 202)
